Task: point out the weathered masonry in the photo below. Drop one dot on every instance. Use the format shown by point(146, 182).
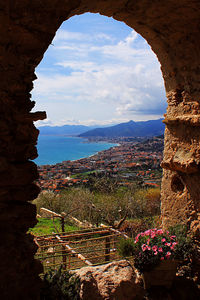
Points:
point(27, 28)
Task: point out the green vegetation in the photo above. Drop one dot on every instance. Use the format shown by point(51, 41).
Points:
point(104, 201)
point(83, 175)
point(60, 285)
point(46, 226)
point(125, 247)
point(185, 248)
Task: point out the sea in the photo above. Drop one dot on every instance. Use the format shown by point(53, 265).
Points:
point(54, 149)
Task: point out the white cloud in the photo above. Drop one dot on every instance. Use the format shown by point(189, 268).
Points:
point(46, 122)
point(103, 36)
point(86, 66)
point(131, 38)
point(89, 122)
point(124, 76)
point(64, 35)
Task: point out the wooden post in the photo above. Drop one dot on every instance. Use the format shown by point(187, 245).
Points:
point(107, 250)
point(54, 260)
point(62, 219)
point(80, 256)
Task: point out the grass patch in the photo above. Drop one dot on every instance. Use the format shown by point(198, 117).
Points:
point(83, 175)
point(46, 226)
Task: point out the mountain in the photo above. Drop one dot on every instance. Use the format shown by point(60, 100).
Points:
point(129, 129)
point(64, 130)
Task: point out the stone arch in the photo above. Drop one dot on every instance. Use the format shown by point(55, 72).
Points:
point(171, 27)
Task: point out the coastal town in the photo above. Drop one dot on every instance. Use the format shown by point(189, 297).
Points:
point(133, 160)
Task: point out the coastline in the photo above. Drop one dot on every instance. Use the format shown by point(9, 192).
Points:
point(44, 149)
point(129, 161)
point(97, 153)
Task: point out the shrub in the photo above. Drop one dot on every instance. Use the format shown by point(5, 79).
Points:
point(60, 285)
point(145, 203)
point(102, 184)
point(152, 197)
point(134, 226)
point(47, 200)
point(126, 247)
point(102, 207)
point(185, 247)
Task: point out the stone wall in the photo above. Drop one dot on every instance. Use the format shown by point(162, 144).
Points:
point(27, 28)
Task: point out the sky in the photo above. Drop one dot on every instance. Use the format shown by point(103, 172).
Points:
point(98, 71)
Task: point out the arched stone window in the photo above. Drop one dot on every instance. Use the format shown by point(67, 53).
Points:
point(27, 28)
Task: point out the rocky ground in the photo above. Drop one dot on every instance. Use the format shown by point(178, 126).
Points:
point(118, 280)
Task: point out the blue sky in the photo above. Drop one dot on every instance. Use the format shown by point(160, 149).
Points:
point(98, 71)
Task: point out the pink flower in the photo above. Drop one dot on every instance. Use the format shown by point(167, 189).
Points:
point(137, 237)
point(160, 231)
point(163, 240)
point(168, 255)
point(160, 249)
point(173, 245)
point(147, 232)
point(148, 247)
point(172, 237)
point(168, 244)
point(155, 248)
point(155, 252)
point(162, 258)
point(144, 247)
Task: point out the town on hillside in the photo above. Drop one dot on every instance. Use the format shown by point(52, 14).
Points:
point(132, 160)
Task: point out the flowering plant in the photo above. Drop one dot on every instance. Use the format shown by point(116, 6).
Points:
point(155, 245)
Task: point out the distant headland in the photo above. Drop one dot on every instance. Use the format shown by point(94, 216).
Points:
point(129, 129)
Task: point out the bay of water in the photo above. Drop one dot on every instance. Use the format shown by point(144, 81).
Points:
point(55, 149)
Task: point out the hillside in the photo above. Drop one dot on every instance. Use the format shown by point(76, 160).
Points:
point(129, 129)
point(64, 130)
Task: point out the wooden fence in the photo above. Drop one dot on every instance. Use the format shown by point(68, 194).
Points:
point(75, 249)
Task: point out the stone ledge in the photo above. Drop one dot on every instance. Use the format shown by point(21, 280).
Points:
point(192, 120)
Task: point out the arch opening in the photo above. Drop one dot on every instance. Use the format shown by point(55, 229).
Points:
point(116, 65)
